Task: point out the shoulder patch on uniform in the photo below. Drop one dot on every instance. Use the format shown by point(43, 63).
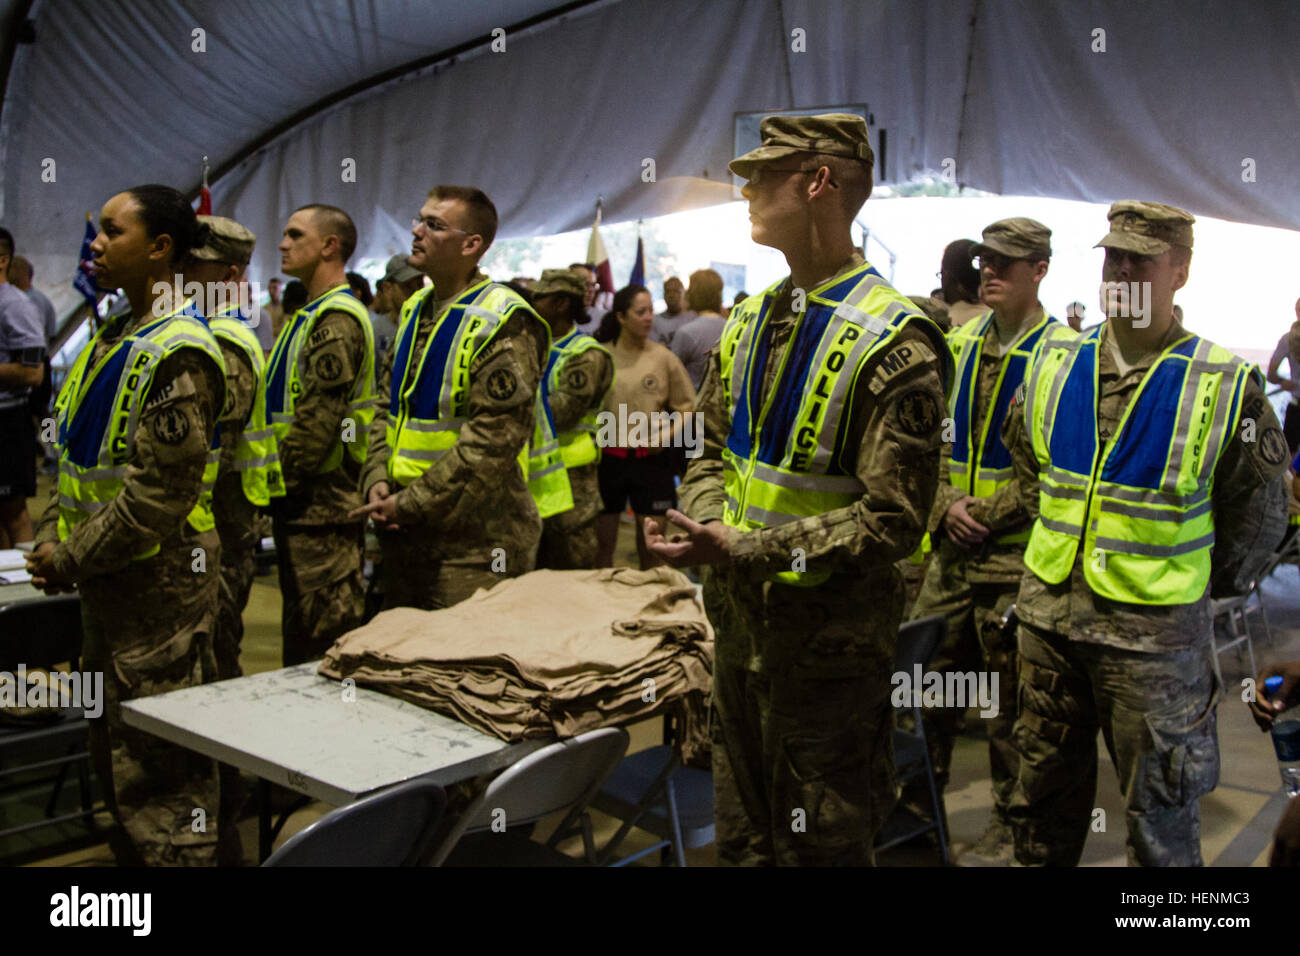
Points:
point(328, 367)
point(576, 379)
point(502, 384)
point(1272, 446)
point(171, 426)
point(902, 357)
point(179, 386)
point(919, 412)
point(321, 336)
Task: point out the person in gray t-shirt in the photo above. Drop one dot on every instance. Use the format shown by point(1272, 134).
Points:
point(22, 367)
point(21, 274)
point(674, 316)
point(693, 341)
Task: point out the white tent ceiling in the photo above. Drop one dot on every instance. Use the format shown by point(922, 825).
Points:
point(1012, 91)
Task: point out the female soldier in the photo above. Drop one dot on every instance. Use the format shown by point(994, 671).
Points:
point(130, 523)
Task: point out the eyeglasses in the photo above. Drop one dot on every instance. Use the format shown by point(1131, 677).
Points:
point(432, 225)
point(997, 262)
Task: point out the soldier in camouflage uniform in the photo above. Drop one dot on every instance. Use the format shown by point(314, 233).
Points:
point(1115, 628)
point(145, 559)
point(320, 388)
point(575, 381)
point(978, 523)
point(221, 261)
point(802, 591)
point(443, 476)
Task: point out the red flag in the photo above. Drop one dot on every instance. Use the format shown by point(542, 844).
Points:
point(205, 202)
point(597, 255)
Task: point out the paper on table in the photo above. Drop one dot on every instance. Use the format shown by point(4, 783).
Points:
point(14, 577)
point(10, 559)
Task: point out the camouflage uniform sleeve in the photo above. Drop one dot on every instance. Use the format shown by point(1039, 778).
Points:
point(377, 450)
point(1250, 496)
point(332, 357)
point(47, 528)
point(946, 495)
point(502, 384)
point(898, 428)
point(1016, 437)
point(701, 494)
point(583, 382)
point(163, 475)
point(241, 382)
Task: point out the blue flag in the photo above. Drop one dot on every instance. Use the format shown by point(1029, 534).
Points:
point(638, 269)
point(85, 280)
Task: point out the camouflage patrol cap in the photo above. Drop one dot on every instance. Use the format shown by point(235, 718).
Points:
point(1147, 228)
point(224, 240)
point(399, 270)
point(1018, 238)
point(560, 280)
point(831, 134)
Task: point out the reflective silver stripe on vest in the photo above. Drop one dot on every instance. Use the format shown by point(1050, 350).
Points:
point(93, 474)
point(281, 417)
point(1061, 527)
point(545, 449)
point(1065, 494)
point(133, 418)
point(248, 463)
point(423, 454)
point(1155, 514)
point(1145, 497)
point(1058, 386)
point(770, 519)
point(732, 503)
point(261, 434)
point(1155, 550)
point(549, 469)
point(1186, 406)
point(832, 484)
point(444, 425)
point(994, 474)
point(89, 507)
point(740, 361)
point(1066, 478)
point(821, 459)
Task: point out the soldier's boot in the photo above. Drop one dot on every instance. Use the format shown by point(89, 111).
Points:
point(997, 847)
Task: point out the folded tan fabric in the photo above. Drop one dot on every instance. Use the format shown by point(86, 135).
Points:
point(551, 652)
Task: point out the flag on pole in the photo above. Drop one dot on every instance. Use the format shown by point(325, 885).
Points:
point(638, 267)
point(205, 197)
point(597, 255)
point(84, 282)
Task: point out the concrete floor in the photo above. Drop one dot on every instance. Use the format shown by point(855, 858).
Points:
point(1237, 819)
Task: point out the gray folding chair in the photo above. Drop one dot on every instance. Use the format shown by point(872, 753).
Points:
point(565, 774)
point(42, 633)
point(652, 791)
point(917, 643)
point(394, 827)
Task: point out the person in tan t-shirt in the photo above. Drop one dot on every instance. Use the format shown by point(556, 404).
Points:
point(649, 408)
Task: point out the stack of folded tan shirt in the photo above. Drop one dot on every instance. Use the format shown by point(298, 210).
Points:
point(551, 652)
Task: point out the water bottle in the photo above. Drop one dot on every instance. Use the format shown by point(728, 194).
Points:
point(1286, 740)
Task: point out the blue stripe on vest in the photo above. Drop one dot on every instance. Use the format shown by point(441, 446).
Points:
point(82, 436)
point(739, 438)
point(401, 356)
point(1073, 444)
point(1143, 447)
point(556, 350)
point(961, 413)
point(278, 373)
point(424, 399)
point(793, 383)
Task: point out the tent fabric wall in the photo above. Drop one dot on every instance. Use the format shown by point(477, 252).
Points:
point(1010, 90)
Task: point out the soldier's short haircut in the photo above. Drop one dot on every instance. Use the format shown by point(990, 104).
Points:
point(481, 213)
point(333, 221)
point(853, 177)
point(166, 211)
point(705, 291)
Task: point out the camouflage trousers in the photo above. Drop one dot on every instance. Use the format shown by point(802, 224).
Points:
point(163, 797)
point(416, 577)
point(974, 611)
point(803, 769)
point(237, 570)
point(569, 538)
point(321, 582)
point(1156, 713)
